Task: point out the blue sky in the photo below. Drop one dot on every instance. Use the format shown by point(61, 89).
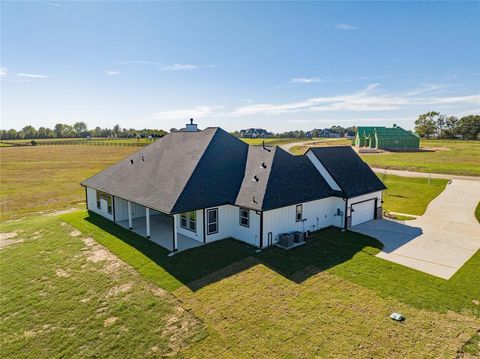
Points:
point(280, 66)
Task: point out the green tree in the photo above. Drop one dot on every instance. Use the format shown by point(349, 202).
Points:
point(29, 131)
point(450, 128)
point(58, 129)
point(469, 127)
point(426, 124)
point(80, 128)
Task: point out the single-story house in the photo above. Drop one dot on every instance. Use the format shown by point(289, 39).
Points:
point(325, 133)
point(195, 187)
point(387, 138)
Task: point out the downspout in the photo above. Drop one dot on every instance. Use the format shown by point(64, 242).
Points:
point(86, 198)
point(261, 229)
point(113, 205)
point(346, 202)
point(204, 228)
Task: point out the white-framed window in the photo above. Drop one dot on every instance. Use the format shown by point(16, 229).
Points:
point(212, 221)
point(188, 220)
point(298, 213)
point(244, 217)
point(107, 197)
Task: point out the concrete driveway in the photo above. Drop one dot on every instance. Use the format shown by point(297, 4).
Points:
point(440, 241)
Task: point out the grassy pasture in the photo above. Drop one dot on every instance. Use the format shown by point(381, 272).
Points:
point(439, 156)
point(46, 178)
point(329, 298)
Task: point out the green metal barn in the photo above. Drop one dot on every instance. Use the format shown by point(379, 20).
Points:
point(394, 138)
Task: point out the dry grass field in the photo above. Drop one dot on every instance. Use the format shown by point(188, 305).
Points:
point(46, 178)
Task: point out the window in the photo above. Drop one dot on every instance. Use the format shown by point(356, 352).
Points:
point(106, 197)
point(244, 217)
point(212, 221)
point(188, 220)
point(109, 204)
point(298, 213)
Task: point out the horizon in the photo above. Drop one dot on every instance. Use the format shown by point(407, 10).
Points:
point(277, 66)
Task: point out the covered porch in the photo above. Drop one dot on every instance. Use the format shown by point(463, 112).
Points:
point(158, 227)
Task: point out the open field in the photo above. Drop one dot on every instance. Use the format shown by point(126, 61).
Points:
point(446, 156)
point(410, 195)
point(46, 178)
point(329, 298)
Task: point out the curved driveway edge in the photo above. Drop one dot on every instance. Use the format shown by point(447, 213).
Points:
point(440, 241)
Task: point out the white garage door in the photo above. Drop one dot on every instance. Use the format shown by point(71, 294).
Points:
point(363, 212)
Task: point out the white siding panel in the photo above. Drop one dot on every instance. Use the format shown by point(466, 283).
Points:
point(319, 214)
point(92, 204)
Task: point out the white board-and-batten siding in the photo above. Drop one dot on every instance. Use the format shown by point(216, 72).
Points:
point(228, 226)
point(319, 214)
point(92, 204)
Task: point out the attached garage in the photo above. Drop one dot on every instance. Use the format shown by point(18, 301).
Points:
point(363, 212)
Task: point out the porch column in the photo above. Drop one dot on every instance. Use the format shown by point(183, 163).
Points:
point(175, 240)
point(129, 205)
point(147, 216)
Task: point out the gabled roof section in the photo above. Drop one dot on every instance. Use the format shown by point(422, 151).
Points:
point(180, 162)
point(217, 178)
point(286, 180)
point(348, 170)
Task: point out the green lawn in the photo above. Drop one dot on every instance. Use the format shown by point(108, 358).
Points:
point(63, 295)
point(330, 297)
point(477, 212)
point(410, 195)
point(439, 156)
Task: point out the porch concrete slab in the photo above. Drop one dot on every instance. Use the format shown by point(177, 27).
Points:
point(161, 232)
point(439, 242)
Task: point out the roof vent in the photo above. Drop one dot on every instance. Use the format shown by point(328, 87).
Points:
point(131, 162)
point(255, 178)
point(143, 159)
point(191, 127)
point(263, 165)
point(254, 200)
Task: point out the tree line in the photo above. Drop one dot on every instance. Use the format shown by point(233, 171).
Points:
point(77, 130)
point(436, 125)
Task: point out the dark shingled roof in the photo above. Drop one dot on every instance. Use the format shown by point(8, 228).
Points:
point(353, 175)
point(180, 172)
point(185, 171)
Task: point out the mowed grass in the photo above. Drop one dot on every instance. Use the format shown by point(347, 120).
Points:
point(63, 295)
point(410, 195)
point(439, 156)
point(46, 178)
point(449, 157)
point(329, 298)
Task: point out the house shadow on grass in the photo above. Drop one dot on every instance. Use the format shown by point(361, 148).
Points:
point(201, 266)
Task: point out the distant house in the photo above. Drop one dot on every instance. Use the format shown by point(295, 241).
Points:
point(387, 138)
point(194, 187)
point(325, 133)
point(255, 133)
point(350, 135)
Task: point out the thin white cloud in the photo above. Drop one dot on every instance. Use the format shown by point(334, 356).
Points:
point(3, 71)
point(53, 4)
point(345, 27)
point(113, 73)
point(32, 76)
point(304, 80)
point(368, 99)
point(178, 67)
